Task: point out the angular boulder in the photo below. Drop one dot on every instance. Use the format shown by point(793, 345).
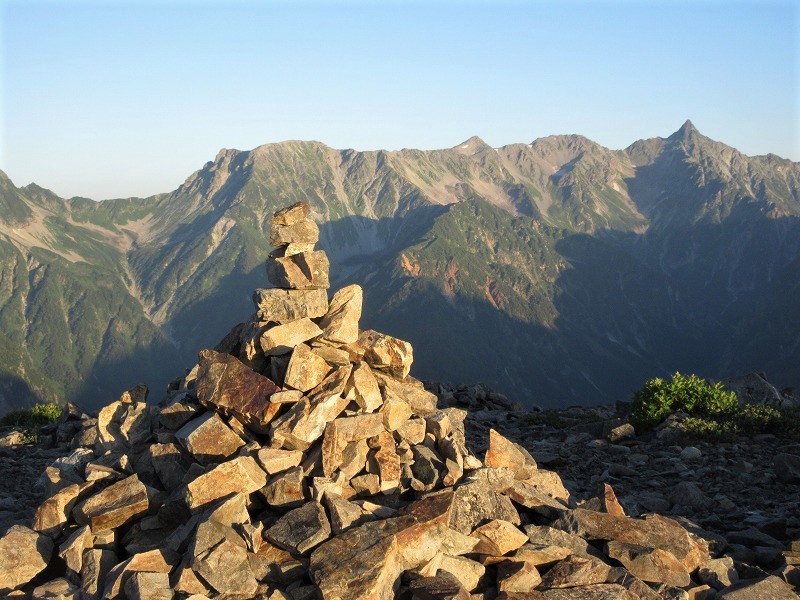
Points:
point(231, 387)
point(340, 323)
point(115, 506)
point(283, 306)
point(24, 554)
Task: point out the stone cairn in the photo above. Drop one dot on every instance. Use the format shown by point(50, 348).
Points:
point(299, 460)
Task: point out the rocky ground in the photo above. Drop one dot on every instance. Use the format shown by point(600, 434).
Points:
point(734, 492)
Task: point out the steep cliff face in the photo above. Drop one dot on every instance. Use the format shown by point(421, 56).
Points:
point(557, 271)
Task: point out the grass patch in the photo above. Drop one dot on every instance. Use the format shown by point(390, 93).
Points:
point(30, 420)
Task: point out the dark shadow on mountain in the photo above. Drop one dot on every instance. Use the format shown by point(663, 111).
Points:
point(15, 393)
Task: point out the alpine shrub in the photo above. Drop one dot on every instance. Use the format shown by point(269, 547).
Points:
point(659, 398)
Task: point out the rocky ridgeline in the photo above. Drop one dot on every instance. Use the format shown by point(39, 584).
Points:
point(299, 460)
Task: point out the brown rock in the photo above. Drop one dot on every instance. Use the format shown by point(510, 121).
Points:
point(291, 215)
point(343, 513)
point(124, 422)
point(498, 537)
point(386, 352)
point(422, 402)
point(24, 553)
point(209, 439)
point(58, 589)
point(649, 564)
point(544, 536)
point(532, 497)
point(303, 232)
point(286, 489)
point(340, 323)
point(576, 571)
point(396, 413)
point(354, 459)
point(301, 529)
point(477, 499)
point(517, 576)
point(306, 369)
point(467, 571)
point(365, 562)
point(170, 463)
point(441, 586)
point(601, 591)
point(148, 586)
point(241, 475)
point(97, 562)
point(53, 514)
point(305, 422)
point(153, 561)
point(116, 505)
point(367, 484)
point(505, 454)
point(298, 270)
point(71, 550)
point(228, 385)
point(274, 460)
point(364, 388)
point(226, 568)
point(411, 430)
point(388, 462)
point(175, 414)
point(281, 339)
point(770, 587)
point(719, 573)
point(340, 432)
point(283, 306)
point(654, 531)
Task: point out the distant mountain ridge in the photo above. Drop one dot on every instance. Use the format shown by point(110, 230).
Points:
point(559, 271)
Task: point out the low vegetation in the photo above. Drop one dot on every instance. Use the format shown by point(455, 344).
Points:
point(30, 420)
point(713, 413)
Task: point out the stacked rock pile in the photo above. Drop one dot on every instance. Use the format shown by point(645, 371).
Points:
point(300, 460)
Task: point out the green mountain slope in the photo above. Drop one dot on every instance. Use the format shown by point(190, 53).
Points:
point(558, 271)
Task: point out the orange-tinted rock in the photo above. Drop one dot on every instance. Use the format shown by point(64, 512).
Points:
point(340, 432)
point(228, 385)
point(114, 506)
point(385, 352)
point(340, 323)
point(24, 553)
point(241, 475)
point(298, 270)
point(498, 538)
point(650, 564)
point(575, 571)
point(306, 370)
point(282, 306)
point(505, 454)
point(281, 339)
point(208, 439)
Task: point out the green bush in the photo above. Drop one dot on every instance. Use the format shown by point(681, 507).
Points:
point(748, 420)
point(659, 398)
point(31, 418)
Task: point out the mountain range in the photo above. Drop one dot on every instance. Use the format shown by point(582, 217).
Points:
point(557, 272)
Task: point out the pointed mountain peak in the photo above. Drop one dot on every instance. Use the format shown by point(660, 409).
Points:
point(472, 146)
point(687, 129)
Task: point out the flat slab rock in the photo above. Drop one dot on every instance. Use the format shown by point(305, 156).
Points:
point(230, 386)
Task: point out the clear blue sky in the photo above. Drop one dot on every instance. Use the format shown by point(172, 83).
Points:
point(105, 99)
